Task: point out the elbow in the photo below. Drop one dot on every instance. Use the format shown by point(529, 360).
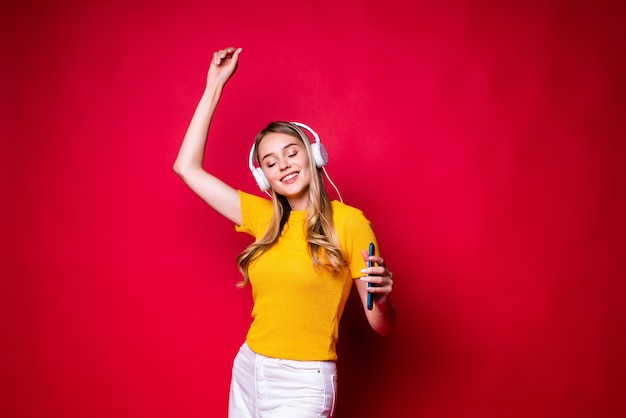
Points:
point(186, 171)
point(179, 169)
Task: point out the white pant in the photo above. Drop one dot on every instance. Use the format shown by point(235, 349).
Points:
point(263, 387)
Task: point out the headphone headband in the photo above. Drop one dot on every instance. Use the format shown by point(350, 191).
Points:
point(302, 125)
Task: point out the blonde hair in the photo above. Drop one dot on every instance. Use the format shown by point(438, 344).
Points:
point(321, 235)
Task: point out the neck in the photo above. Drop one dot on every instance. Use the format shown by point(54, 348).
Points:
point(298, 203)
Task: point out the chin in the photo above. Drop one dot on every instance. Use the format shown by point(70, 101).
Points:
point(291, 192)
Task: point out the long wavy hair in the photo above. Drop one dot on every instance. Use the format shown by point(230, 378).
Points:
point(321, 235)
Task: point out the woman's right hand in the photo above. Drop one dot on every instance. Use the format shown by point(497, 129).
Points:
point(223, 65)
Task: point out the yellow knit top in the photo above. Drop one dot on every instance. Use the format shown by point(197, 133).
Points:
point(297, 308)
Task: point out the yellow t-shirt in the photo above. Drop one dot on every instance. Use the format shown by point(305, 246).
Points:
point(297, 309)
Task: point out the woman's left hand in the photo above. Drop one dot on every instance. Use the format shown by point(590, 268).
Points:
point(379, 276)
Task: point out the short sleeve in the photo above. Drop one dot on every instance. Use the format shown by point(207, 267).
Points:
point(256, 213)
point(355, 234)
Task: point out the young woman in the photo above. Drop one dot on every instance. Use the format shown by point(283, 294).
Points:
point(308, 251)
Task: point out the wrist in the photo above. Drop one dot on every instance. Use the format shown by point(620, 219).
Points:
point(213, 88)
point(211, 95)
point(384, 304)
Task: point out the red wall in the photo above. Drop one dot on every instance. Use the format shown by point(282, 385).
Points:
point(486, 143)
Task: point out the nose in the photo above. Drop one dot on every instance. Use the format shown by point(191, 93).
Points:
point(283, 163)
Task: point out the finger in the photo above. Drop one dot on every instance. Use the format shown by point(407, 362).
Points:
point(231, 50)
point(377, 280)
point(380, 271)
point(380, 290)
point(376, 259)
point(228, 53)
point(221, 55)
point(234, 55)
point(218, 57)
point(365, 256)
point(376, 271)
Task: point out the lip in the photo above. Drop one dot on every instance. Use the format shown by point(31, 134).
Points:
point(295, 175)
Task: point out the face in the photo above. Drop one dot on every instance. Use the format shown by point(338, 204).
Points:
point(285, 163)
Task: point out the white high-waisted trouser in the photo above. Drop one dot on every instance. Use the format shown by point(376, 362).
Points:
point(264, 387)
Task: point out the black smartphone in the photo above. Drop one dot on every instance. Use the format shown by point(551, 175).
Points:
point(370, 296)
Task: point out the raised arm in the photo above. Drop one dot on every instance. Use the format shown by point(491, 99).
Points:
point(188, 165)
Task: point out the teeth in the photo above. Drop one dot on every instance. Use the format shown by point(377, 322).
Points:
point(289, 177)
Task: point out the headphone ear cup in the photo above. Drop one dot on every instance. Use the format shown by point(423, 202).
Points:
point(319, 154)
point(260, 178)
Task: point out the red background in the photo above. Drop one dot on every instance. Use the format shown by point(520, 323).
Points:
point(485, 140)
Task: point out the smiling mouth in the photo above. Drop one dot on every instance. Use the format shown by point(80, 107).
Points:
point(289, 177)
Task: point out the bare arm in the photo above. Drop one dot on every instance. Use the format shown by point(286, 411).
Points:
point(382, 317)
point(188, 165)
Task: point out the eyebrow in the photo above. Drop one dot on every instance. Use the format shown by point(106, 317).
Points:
point(286, 146)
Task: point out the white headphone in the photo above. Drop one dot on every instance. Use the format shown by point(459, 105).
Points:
point(320, 155)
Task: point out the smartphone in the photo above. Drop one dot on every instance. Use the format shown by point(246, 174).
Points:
point(370, 296)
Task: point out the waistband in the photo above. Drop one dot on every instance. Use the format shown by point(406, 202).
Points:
point(323, 366)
